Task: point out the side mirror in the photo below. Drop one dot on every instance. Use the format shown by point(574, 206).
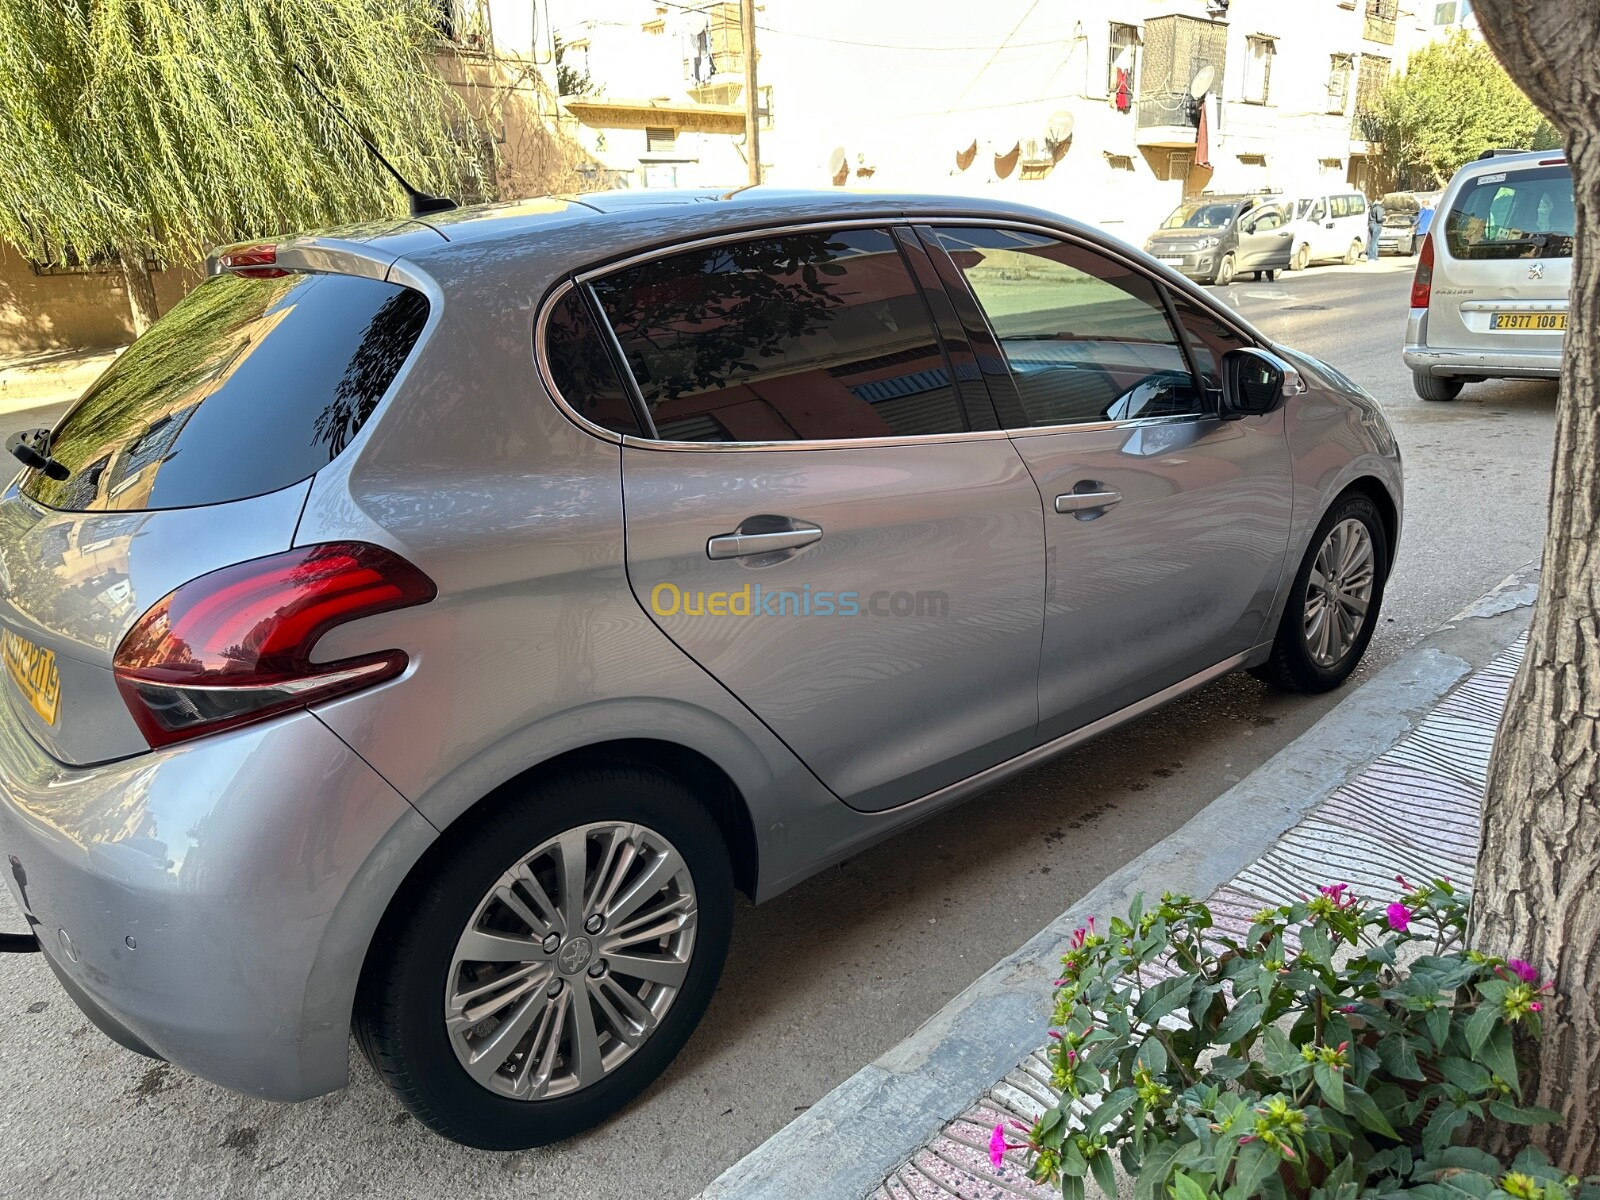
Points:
point(1255, 382)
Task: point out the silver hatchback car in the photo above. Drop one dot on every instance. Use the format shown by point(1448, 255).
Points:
point(425, 629)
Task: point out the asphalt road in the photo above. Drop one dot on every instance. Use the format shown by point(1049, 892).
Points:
point(832, 974)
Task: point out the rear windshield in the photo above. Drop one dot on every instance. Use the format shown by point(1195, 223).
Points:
point(245, 387)
point(1513, 214)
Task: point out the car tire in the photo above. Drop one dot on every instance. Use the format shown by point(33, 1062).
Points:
point(1411, 247)
point(1435, 387)
point(1302, 258)
point(1309, 657)
point(421, 983)
point(1354, 253)
point(1225, 270)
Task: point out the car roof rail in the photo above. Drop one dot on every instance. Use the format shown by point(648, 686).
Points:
point(1499, 150)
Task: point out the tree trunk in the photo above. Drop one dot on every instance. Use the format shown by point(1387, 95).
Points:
point(141, 287)
point(1538, 881)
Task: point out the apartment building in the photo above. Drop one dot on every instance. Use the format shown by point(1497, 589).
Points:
point(1088, 109)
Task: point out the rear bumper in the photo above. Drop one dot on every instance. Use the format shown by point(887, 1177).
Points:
point(211, 904)
point(1483, 364)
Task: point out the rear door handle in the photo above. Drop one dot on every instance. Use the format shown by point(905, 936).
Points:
point(743, 545)
point(1073, 502)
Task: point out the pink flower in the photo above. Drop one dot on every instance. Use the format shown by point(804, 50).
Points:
point(1055, 1033)
point(998, 1145)
point(1523, 971)
point(1401, 880)
point(1399, 917)
point(1337, 893)
point(1535, 1007)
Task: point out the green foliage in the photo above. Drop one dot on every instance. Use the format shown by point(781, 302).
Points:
point(169, 125)
point(1335, 1052)
point(1454, 102)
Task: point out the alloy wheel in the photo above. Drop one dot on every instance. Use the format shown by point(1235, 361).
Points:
point(571, 960)
point(1339, 592)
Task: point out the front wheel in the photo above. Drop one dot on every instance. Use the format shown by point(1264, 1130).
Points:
point(1354, 253)
point(1334, 602)
point(545, 964)
point(1225, 270)
point(1435, 387)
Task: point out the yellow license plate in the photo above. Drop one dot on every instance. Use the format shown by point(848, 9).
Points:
point(1549, 321)
point(33, 669)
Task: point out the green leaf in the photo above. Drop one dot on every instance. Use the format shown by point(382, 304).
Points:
point(1441, 1127)
point(1254, 1164)
point(1279, 1054)
point(1330, 1082)
point(1463, 1073)
point(1072, 1187)
point(1246, 1015)
point(1162, 998)
point(1184, 1188)
point(1153, 1172)
point(1105, 1175)
point(1072, 1161)
point(1365, 1109)
point(1529, 1115)
point(1109, 1109)
point(1438, 1022)
point(1152, 1055)
point(1500, 1056)
point(1228, 1067)
point(1399, 1057)
point(1481, 1024)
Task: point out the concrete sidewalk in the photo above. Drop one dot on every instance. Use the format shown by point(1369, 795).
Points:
point(58, 377)
point(1389, 781)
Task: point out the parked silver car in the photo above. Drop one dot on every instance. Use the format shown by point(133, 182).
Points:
point(1490, 296)
point(425, 629)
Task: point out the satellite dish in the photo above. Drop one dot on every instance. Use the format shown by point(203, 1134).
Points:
point(1202, 81)
point(1059, 127)
point(838, 161)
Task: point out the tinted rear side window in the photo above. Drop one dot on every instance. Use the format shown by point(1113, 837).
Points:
point(245, 387)
point(1513, 214)
point(805, 336)
point(581, 366)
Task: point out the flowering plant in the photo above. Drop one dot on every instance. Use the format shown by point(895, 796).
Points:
point(1336, 1051)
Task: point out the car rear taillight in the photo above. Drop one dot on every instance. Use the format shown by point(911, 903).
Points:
point(1422, 281)
point(235, 645)
point(257, 262)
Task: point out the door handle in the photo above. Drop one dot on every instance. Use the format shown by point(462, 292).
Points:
point(743, 545)
point(1073, 502)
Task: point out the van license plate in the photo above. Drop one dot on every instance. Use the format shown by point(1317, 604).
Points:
point(1505, 320)
point(1171, 262)
point(33, 669)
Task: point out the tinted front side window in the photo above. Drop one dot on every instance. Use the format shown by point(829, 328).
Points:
point(582, 367)
point(1209, 338)
point(245, 387)
point(1087, 338)
point(1515, 214)
point(805, 336)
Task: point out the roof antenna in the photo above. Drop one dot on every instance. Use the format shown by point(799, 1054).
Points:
point(421, 203)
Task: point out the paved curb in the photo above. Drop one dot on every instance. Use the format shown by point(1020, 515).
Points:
point(845, 1144)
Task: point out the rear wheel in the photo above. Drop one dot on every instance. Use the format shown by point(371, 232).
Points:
point(1225, 270)
point(1302, 258)
point(1435, 387)
point(1333, 604)
point(547, 963)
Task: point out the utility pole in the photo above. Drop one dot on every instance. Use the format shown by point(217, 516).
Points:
point(752, 118)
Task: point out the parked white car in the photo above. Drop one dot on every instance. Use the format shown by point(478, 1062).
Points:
point(1329, 227)
point(1489, 300)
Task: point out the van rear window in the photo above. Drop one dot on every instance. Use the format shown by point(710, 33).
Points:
point(1513, 214)
point(246, 386)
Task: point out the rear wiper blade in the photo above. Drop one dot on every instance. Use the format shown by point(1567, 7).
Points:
point(31, 447)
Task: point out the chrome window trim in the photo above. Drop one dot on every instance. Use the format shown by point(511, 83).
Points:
point(887, 222)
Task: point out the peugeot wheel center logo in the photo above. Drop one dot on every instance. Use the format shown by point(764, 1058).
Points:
point(574, 955)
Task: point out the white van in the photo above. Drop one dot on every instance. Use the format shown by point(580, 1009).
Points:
point(1490, 297)
point(1329, 227)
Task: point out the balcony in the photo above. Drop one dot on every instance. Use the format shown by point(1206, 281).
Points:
point(1165, 119)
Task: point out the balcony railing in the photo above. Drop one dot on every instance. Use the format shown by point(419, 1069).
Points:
point(1164, 108)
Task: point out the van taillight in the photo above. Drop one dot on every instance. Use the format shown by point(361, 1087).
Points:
point(235, 646)
point(1422, 281)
